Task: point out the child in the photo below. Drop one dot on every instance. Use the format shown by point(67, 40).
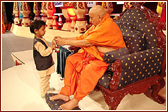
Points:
point(42, 55)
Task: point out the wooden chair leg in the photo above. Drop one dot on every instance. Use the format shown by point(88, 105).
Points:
point(162, 83)
point(156, 88)
point(113, 100)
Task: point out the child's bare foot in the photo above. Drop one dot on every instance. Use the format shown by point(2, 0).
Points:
point(70, 105)
point(60, 96)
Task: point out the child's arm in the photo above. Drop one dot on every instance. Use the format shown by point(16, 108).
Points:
point(42, 50)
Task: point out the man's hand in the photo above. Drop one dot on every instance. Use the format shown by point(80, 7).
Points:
point(59, 40)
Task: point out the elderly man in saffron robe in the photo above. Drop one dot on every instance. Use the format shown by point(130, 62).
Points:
point(85, 68)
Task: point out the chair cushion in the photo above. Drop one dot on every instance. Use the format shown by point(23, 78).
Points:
point(105, 79)
point(134, 39)
point(133, 44)
point(111, 56)
point(138, 18)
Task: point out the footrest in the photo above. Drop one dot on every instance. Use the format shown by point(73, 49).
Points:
point(54, 105)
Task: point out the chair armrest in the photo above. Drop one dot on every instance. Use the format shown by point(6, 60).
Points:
point(135, 67)
point(111, 56)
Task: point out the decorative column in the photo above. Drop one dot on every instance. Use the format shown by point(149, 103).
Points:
point(16, 12)
point(25, 10)
point(67, 24)
point(44, 11)
point(50, 13)
point(36, 10)
point(20, 14)
point(60, 24)
point(73, 17)
point(55, 23)
point(163, 15)
point(73, 24)
point(4, 12)
point(108, 6)
point(3, 25)
point(126, 5)
point(80, 9)
point(159, 8)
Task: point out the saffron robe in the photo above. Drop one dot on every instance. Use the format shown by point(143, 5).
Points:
point(85, 68)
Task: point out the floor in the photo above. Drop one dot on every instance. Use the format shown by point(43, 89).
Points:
point(20, 84)
point(12, 43)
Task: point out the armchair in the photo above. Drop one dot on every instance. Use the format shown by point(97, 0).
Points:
point(140, 66)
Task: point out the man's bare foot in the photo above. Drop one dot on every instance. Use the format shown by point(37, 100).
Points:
point(60, 96)
point(70, 105)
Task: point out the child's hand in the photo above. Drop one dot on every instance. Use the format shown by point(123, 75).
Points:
point(53, 44)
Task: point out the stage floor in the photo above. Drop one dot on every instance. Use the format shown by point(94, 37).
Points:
point(20, 90)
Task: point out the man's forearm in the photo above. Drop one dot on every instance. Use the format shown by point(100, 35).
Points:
point(71, 38)
point(78, 43)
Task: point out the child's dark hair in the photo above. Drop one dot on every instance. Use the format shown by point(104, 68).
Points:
point(36, 24)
